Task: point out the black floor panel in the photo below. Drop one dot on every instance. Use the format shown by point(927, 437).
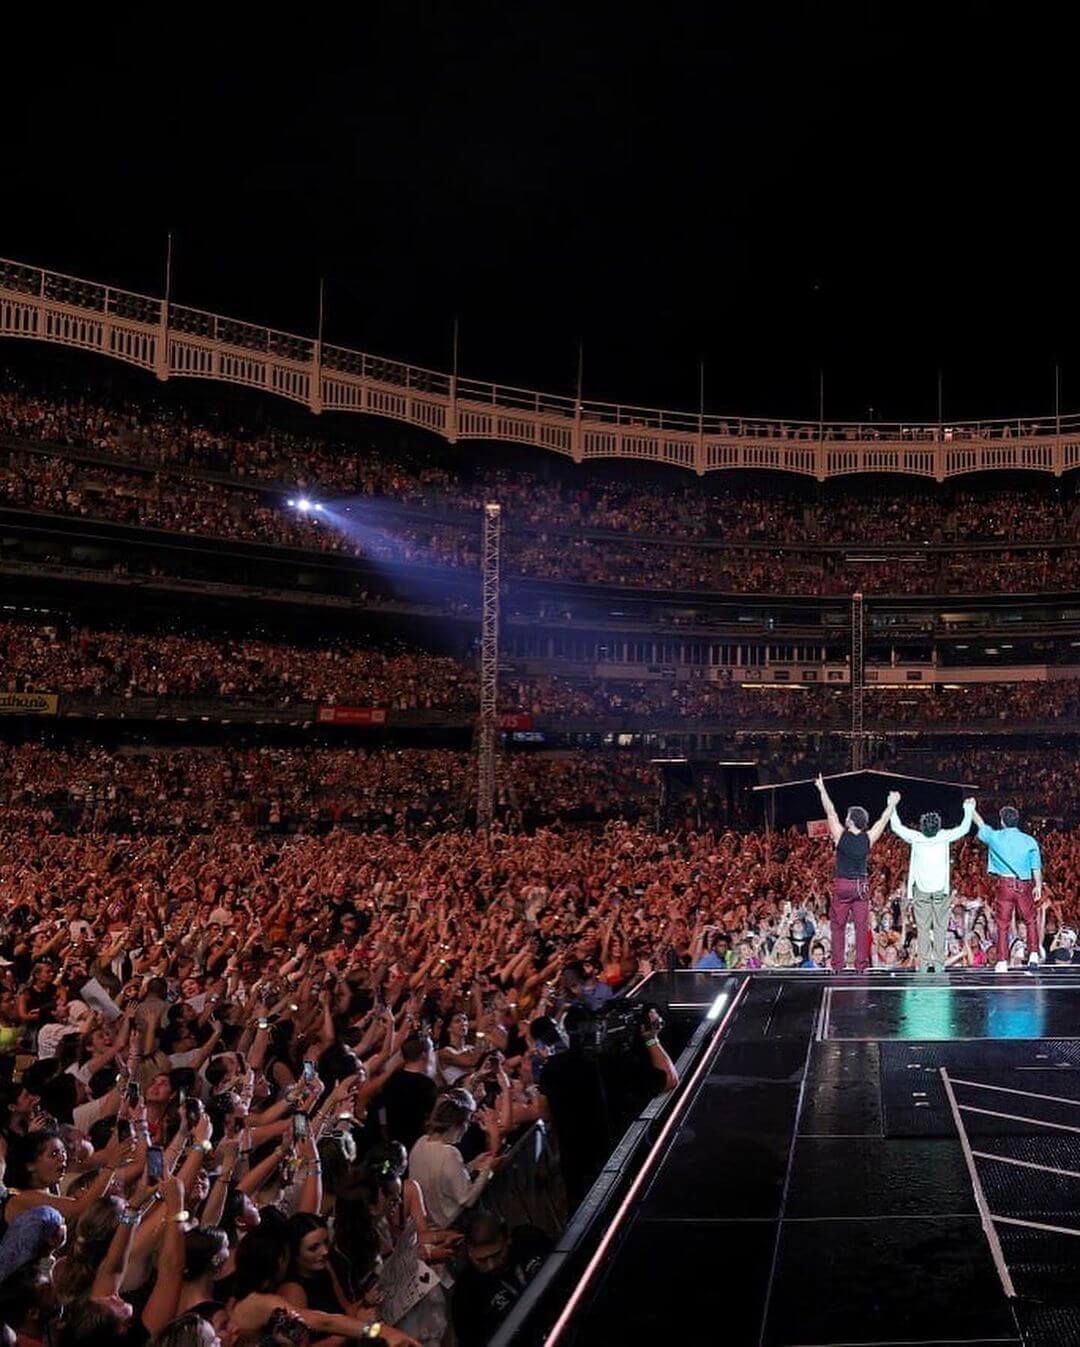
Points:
point(914, 1280)
point(871, 1176)
point(839, 1209)
point(683, 1284)
point(843, 1096)
point(731, 1157)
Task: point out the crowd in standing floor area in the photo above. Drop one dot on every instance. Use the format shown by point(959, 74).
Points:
point(83, 785)
point(431, 978)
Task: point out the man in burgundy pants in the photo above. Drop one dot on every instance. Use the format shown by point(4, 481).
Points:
point(1014, 858)
point(851, 888)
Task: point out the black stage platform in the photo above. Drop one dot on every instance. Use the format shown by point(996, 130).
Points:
point(873, 1159)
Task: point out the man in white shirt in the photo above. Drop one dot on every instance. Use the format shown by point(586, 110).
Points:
point(928, 880)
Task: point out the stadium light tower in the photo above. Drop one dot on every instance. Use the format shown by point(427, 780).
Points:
point(489, 664)
point(858, 643)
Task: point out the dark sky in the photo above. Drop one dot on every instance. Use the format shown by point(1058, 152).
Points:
point(879, 188)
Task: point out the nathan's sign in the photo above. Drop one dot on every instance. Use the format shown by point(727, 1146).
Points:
point(352, 715)
point(28, 703)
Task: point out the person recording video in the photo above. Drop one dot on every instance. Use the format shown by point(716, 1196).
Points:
point(592, 1091)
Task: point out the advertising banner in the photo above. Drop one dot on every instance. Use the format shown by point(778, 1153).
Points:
point(28, 703)
point(515, 720)
point(352, 715)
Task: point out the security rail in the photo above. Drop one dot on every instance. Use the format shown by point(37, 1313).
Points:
point(175, 341)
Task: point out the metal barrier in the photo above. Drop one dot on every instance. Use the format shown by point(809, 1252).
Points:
point(528, 1188)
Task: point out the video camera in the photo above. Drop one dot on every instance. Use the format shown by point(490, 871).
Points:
point(616, 1029)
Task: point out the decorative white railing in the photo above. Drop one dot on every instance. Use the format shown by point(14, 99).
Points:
point(178, 341)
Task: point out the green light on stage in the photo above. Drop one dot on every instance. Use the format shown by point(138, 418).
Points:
point(926, 1013)
point(941, 1013)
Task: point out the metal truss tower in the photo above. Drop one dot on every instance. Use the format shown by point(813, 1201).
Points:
point(858, 641)
point(489, 664)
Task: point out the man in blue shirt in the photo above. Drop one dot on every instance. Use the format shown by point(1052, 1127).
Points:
point(1014, 858)
point(584, 988)
point(719, 955)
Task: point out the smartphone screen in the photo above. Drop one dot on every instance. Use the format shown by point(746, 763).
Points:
point(133, 1094)
point(309, 1071)
point(299, 1126)
point(155, 1164)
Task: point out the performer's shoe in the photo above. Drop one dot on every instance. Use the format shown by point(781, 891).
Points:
point(1001, 966)
point(1033, 960)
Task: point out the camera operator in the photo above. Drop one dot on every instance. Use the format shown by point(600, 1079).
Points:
point(593, 1090)
point(574, 1100)
point(638, 1069)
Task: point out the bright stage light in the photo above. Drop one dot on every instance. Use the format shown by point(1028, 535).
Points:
point(303, 505)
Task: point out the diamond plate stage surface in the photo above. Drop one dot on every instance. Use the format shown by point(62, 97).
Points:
point(818, 1190)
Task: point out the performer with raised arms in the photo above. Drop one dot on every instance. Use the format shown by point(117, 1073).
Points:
point(928, 886)
point(1016, 862)
point(851, 886)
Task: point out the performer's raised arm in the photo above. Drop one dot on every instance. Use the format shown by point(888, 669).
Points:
point(836, 829)
point(901, 829)
point(877, 828)
point(954, 834)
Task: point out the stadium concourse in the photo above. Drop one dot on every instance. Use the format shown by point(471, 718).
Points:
point(286, 1039)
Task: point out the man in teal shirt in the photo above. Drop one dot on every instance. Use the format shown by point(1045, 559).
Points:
point(1014, 858)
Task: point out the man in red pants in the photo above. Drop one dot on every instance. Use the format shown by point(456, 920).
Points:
point(851, 888)
point(1014, 858)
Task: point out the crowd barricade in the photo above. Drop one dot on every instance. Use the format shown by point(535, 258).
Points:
point(527, 1188)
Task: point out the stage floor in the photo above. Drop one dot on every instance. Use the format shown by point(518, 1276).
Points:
point(822, 1188)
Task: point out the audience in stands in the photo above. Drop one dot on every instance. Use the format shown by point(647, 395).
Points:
point(60, 655)
point(600, 534)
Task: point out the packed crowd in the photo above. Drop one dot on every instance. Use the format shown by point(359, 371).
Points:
point(541, 541)
point(63, 657)
point(59, 654)
point(91, 788)
point(261, 1090)
point(175, 437)
point(257, 1083)
point(1041, 778)
point(84, 786)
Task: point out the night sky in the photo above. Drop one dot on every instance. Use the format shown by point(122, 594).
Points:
point(879, 189)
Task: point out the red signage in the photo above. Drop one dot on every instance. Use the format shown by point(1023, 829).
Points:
point(352, 715)
point(515, 720)
point(818, 827)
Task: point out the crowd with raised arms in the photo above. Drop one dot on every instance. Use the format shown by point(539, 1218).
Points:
point(247, 1082)
point(254, 1072)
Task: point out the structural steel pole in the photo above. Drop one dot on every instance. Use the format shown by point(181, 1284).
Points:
point(858, 638)
point(489, 665)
